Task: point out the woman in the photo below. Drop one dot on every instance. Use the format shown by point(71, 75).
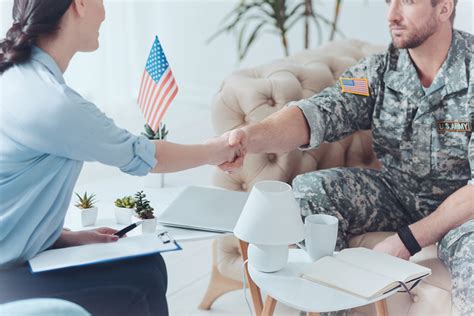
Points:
point(47, 131)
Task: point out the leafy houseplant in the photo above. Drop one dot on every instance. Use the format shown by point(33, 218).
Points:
point(160, 134)
point(251, 18)
point(144, 211)
point(86, 203)
point(152, 180)
point(124, 209)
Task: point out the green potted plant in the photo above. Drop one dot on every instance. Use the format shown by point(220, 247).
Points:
point(155, 180)
point(251, 18)
point(124, 209)
point(145, 212)
point(86, 205)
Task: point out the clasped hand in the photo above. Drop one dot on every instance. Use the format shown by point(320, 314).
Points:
point(228, 150)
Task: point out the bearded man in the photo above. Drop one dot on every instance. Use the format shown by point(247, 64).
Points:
point(417, 98)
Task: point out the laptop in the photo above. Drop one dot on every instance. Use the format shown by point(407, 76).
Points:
point(207, 209)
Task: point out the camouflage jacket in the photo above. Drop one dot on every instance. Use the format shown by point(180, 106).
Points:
point(423, 134)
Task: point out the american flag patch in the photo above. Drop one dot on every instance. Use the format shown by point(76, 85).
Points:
point(355, 86)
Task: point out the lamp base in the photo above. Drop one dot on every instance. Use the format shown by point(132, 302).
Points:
point(266, 258)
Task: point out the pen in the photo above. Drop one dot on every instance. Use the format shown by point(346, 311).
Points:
point(122, 232)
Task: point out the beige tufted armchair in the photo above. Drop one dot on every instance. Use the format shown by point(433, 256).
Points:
point(250, 95)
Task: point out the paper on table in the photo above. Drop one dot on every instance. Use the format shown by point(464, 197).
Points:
point(98, 253)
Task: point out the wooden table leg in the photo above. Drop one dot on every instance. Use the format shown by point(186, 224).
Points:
point(381, 308)
point(254, 290)
point(269, 307)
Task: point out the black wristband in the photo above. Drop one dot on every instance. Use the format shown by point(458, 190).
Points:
point(409, 240)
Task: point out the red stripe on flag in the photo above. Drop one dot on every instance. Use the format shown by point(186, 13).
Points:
point(151, 82)
point(152, 102)
point(145, 89)
point(151, 118)
point(145, 86)
point(153, 89)
point(141, 86)
point(160, 102)
point(168, 104)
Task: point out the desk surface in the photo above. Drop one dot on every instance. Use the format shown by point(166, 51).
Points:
point(287, 287)
point(109, 189)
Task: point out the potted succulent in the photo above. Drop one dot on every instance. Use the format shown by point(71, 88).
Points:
point(144, 211)
point(124, 209)
point(155, 180)
point(86, 205)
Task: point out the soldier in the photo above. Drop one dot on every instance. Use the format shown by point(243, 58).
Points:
point(417, 97)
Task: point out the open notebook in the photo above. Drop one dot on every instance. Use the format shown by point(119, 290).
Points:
point(99, 253)
point(364, 272)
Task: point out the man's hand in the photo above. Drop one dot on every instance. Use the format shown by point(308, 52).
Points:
point(393, 246)
point(221, 151)
point(237, 137)
point(98, 235)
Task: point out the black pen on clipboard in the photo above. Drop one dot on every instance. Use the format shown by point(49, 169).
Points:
point(125, 230)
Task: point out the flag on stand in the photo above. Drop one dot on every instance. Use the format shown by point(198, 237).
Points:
point(158, 87)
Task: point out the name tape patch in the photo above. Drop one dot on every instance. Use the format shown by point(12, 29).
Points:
point(453, 126)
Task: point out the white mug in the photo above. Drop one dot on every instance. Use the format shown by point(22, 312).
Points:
point(320, 235)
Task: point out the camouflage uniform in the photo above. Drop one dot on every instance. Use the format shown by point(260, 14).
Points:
point(421, 164)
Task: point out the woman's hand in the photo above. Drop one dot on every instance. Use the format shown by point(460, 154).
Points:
point(220, 151)
point(98, 235)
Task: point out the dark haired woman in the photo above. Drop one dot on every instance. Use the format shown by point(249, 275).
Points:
point(47, 130)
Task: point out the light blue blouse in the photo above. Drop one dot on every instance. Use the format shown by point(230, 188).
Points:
point(47, 130)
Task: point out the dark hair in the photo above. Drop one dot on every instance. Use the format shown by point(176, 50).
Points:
point(434, 3)
point(31, 19)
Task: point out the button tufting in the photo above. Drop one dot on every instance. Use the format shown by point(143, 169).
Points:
point(272, 158)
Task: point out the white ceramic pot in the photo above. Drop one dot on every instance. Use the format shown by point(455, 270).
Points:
point(149, 226)
point(88, 215)
point(123, 215)
point(154, 180)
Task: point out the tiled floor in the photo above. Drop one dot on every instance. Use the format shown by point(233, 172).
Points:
point(189, 270)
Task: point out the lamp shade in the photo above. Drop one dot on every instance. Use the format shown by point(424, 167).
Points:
point(271, 216)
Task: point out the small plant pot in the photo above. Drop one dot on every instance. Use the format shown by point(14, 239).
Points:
point(154, 180)
point(123, 215)
point(88, 216)
point(149, 226)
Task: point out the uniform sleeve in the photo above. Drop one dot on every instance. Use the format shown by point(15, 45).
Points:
point(333, 115)
point(74, 128)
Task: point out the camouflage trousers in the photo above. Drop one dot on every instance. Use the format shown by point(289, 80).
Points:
point(366, 200)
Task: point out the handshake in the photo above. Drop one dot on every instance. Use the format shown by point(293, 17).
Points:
point(228, 150)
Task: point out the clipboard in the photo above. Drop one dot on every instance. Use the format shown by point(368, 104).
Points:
point(84, 255)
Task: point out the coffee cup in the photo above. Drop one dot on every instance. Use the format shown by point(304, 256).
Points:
point(320, 235)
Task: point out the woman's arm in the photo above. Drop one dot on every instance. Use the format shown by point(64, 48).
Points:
point(173, 157)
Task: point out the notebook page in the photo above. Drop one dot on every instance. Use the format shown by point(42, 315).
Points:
point(339, 274)
point(395, 268)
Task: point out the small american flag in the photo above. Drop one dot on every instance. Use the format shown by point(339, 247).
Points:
point(355, 85)
point(158, 87)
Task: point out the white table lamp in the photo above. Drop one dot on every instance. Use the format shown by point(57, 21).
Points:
point(270, 221)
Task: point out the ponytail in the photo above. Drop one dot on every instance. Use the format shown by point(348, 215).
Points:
point(32, 19)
